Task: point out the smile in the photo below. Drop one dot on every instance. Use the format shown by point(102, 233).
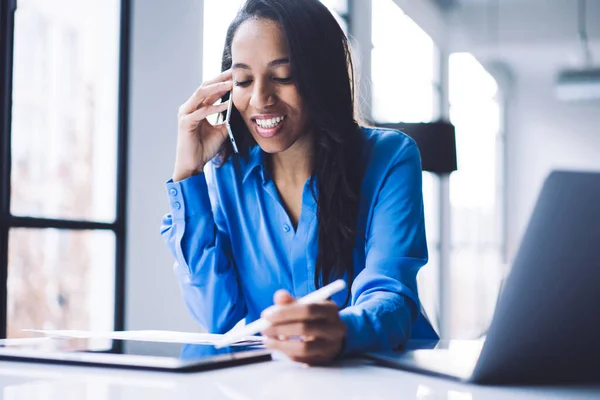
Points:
point(270, 123)
point(268, 126)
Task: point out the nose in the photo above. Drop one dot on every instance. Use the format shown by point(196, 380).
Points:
point(263, 95)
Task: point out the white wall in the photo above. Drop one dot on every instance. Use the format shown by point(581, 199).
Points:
point(544, 134)
point(165, 70)
point(520, 22)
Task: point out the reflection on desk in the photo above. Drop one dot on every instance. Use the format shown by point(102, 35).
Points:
point(282, 379)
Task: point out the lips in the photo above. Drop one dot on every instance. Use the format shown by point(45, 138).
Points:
point(268, 126)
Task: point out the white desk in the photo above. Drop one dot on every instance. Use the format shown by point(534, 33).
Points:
point(351, 380)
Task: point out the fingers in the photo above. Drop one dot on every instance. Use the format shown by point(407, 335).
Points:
point(203, 93)
point(309, 333)
point(190, 121)
point(222, 77)
point(282, 297)
point(312, 352)
point(307, 329)
point(206, 111)
point(212, 99)
point(301, 312)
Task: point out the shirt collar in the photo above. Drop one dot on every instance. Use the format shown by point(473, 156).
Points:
point(256, 160)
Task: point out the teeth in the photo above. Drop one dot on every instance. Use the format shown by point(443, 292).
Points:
point(269, 123)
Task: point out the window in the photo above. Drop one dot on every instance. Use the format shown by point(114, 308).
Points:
point(406, 88)
point(404, 59)
point(475, 196)
point(62, 216)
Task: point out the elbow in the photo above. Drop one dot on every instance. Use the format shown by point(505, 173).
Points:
point(212, 317)
point(397, 324)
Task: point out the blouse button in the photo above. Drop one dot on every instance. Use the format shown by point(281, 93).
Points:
point(286, 227)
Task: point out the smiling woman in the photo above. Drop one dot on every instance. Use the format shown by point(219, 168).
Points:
point(311, 197)
point(265, 94)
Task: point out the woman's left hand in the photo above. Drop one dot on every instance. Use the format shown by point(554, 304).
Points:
point(308, 333)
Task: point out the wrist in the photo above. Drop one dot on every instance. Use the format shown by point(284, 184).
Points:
point(181, 175)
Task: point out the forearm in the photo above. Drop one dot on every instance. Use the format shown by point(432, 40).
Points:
point(204, 263)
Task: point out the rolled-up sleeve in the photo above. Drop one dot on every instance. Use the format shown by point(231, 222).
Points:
point(385, 302)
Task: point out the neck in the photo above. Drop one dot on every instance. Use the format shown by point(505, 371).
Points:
point(294, 165)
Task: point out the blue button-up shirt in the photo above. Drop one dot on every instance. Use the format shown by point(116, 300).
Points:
point(235, 244)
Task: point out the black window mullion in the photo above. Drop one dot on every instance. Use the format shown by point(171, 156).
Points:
point(122, 160)
point(29, 222)
point(7, 19)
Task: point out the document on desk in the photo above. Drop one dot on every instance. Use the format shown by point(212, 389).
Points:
point(149, 336)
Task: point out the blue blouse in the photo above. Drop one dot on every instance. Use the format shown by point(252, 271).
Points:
point(235, 245)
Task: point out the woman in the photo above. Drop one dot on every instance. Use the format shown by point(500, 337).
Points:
point(311, 197)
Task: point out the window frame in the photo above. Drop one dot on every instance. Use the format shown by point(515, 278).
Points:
point(9, 221)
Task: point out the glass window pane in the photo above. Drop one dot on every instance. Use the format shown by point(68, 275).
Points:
point(64, 115)
point(427, 278)
point(403, 67)
point(60, 279)
point(475, 196)
point(428, 283)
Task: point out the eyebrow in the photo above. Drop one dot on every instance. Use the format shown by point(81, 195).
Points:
point(274, 63)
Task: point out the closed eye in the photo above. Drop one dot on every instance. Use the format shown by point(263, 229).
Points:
point(243, 83)
point(283, 80)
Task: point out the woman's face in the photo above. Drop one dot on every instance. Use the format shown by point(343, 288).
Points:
point(264, 91)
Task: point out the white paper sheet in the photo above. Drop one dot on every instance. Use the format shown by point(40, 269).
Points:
point(21, 341)
point(148, 336)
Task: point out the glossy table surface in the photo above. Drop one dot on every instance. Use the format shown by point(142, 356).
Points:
point(278, 379)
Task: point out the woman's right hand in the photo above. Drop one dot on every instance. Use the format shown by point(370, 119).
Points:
point(198, 141)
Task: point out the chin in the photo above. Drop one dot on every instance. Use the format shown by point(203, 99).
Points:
point(276, 144)
point(272, 146)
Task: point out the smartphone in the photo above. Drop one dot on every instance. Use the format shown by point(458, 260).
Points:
point(228, 125)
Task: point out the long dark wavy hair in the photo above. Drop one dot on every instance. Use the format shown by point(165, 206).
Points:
point(323, 73)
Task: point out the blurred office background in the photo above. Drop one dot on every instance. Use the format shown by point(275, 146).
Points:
point(95, 89)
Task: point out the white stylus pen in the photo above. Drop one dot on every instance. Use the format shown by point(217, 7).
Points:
point(261, 324)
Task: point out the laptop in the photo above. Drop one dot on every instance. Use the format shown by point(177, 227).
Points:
point(546, 326)
point(136, 354)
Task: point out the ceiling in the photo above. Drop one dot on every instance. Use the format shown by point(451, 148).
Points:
point(521, 22)
point(450, 4)
point(530, 35)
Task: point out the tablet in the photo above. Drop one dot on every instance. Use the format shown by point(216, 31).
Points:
point(136, 354)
